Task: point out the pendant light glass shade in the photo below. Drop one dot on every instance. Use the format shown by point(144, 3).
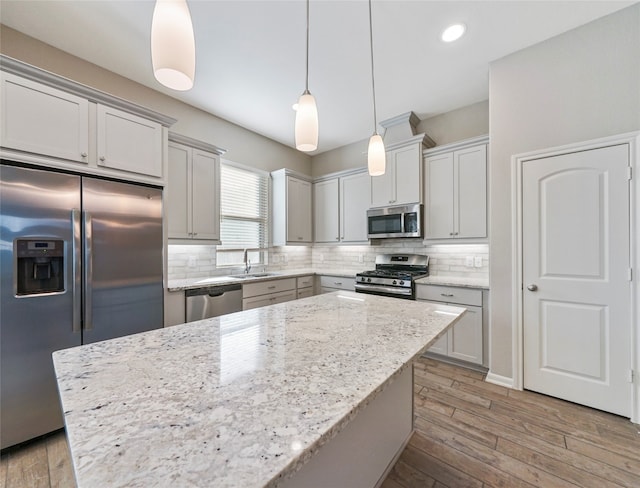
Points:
point(306, 127)
point(173, 47)
point(376, 156)
point(306, 123)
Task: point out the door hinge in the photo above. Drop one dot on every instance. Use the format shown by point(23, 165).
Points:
point(631, 375)
point(629, 172)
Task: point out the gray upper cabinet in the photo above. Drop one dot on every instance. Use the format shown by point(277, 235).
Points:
point(455, 182)
point(193, 190)
point(340, 208)
point(292, 221)
point(51, 121)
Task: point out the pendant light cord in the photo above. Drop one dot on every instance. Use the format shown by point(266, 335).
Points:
point(373, 83)
point(306, 85)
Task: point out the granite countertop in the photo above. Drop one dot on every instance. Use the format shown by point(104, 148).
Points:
point(239, 400)
point(189, 283)
point(460, 281)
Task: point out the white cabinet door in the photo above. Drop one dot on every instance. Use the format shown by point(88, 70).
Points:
point(299, 215)
point(408, 182)
point(439, 196)
point(401, 183)
point(470, 192)
point(127, 142)
point(355, 195)
point(43, 120)
point(178, 192)
point(383, 191)
point(465, 337)
point(441, 346)
point(193, 193)
point(205, 182)
point(456, 194)
point(326, 211)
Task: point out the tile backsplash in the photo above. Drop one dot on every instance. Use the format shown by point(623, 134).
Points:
point(464, 260)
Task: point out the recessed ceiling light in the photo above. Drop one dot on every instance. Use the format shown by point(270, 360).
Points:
point(453, 32)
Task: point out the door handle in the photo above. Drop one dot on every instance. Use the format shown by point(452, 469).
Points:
point(76, 322)
point(532, 287)
point(88, 271)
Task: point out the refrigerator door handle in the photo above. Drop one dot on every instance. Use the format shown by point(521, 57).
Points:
point(76, 280)
point(88, 271)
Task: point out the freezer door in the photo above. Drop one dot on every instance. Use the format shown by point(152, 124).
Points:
point(36, 206)
point(123, 249)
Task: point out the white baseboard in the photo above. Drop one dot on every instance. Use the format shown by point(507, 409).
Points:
point(497, 379)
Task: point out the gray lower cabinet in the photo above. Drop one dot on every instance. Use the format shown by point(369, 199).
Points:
point(329, 283)
point(269, 292)
point(465, 340)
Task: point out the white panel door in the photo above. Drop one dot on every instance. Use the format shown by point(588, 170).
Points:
point(576, 296)
point(326, 210)
point(299, 214)
point(355, 194)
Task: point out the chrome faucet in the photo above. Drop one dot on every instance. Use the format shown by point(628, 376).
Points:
point(247, 262)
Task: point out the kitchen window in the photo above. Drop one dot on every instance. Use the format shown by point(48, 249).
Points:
point(244, 214)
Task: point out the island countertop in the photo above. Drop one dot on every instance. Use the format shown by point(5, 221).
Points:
point(243, 399)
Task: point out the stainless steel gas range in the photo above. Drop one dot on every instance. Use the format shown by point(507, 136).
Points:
point(394, 276)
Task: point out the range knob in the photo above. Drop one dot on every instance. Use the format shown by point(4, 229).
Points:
point(369, 280)
point(401, 282)
point(394, 282)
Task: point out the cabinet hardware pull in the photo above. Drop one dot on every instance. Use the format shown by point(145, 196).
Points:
point(271, 287)
point(337, 282)
point(337, 238)
point(102, 158)
point(446, 294)
point(84, 154)
point(195, 233)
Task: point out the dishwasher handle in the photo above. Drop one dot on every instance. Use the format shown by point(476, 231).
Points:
point(213, 291)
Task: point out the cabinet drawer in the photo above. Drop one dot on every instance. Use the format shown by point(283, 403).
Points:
point(338, 282)
point(305, 281)
point(305, 292)
point(271, 299)
point(449, 294)
point(266, 287)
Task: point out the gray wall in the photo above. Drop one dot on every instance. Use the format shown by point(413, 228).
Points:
point(242, 145)
point(581, 85)
point(463, 123)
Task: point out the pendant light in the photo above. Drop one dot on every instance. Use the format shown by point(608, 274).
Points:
point(173, 47)
point(306, 127)
point(376, 156)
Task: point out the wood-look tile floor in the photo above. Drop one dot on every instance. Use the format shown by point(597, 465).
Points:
point(469, 433)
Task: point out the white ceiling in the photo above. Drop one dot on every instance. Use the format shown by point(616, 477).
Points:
point(250, 55)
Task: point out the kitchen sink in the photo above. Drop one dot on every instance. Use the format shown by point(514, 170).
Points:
point(252, 275)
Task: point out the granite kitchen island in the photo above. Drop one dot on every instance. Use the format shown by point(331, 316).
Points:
point(257, 398)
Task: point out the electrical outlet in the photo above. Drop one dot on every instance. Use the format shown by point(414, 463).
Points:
point(191, 262)
point(477, 261)
point(275, 258)
point(285, 259)
point(361, 258)
point(468, 261)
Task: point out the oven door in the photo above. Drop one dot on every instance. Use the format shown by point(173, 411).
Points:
point(387, 291)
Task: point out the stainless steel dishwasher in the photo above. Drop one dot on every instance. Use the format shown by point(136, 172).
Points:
point(212, 301)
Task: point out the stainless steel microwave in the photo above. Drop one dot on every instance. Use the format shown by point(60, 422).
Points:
point(401, 221)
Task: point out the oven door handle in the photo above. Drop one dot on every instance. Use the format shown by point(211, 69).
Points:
point(384, 289)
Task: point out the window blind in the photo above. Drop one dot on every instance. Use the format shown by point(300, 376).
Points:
point(244, 211)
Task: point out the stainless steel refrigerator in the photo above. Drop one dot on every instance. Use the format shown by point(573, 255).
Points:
point(80, 262)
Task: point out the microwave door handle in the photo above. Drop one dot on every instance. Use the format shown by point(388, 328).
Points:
point(76, 277)
point(88, 271)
